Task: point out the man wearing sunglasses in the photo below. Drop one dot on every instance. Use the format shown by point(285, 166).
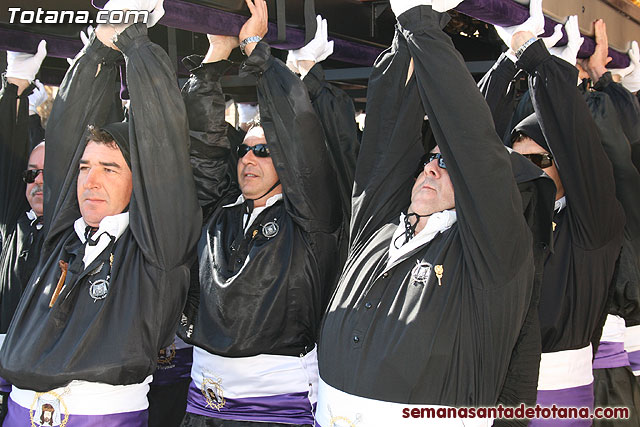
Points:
point(561, 137)
point(121, 227)
point(21, 233)
point(268, 254)
point(439, 276)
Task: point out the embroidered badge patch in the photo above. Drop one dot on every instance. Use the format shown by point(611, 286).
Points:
point(48, 409)
point(270, 229)
point(99, 289)
point(340, 421)
point(212, 392)
point(420, 273)
point(166, 355)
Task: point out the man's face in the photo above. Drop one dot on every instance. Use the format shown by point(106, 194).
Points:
point(256, 174)
point(433, 190)
point(528, 146)
point(104, 183)
point(34, 190)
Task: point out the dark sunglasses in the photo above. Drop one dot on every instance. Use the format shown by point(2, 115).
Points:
point(259, 150)
point(542, 160)
point(428, 158)
point(30, 175)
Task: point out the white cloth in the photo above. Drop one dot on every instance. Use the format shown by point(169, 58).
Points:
point(570, 52)
point(337, 408)
point(560, 204)
point(256, 376)
point(33, 217)
point(534, 24)
point(26, 65)
point(317, 50)
point(37, 97)
point(113, 226)
point(91, 398)
point(438, 222)
point(566, 369)
point(256, 211)
point(613, 330)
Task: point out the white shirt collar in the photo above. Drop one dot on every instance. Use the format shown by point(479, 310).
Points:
point(560, 204)
point(33, 217)
point(437, 223)
point(270, 201)
point(113, 225)
point(110, 226)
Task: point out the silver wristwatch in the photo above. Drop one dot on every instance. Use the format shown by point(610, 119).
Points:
point(245, 42)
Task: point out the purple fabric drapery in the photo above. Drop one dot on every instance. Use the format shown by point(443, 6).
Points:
point(198, 18)
point(508, 13)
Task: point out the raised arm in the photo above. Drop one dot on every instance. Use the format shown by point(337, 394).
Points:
point(487, 200)
point(14, 150)
point(499, 91)
point(573, 138)
point(205, 104)
point(165, 217)
point(616, 146)
point(87, 95)
point(337, 115)
point(391, 143)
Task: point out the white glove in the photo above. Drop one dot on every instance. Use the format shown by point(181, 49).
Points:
point(155, 7)
point(632, 80)
point(317, 50)
point(570, 52)
point(26, 65)
point(554, 38)
point(37, 97)
point(84, 37)
point(534, 25)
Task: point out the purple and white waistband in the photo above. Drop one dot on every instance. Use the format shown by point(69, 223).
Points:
point(82, 404)
point(262, 388)
point(338, 408)
point(632, 346)
point(565, 369)
point(611, 352)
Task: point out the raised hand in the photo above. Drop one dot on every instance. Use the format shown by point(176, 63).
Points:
point(256, 26)
point(533, 25)
point(26, 65)
point(315, 51)
point(570, 52)
point(596, 64)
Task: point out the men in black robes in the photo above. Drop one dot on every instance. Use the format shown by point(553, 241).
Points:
point(20, 217)
point(268, 254)
point(432, 298)
point(562, 138)
point(122, 221)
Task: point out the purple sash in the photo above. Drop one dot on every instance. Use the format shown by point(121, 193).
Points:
point(19, 416)
point(5, 386)
point(610, 355)
point(574, 397)
point(634, 360)
point(291, 408)
point(175, 368)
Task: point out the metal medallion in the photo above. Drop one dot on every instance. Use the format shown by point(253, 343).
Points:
point(420, 273)
point(270, 229)
point(99, 289)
